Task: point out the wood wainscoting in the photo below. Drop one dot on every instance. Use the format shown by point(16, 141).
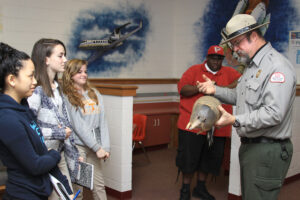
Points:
point(133, 81)
point(298, 90)
point(136, 81)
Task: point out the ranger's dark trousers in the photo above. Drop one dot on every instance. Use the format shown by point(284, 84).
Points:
point(264, 164)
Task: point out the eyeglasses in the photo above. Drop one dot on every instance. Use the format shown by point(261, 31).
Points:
point(237, 43)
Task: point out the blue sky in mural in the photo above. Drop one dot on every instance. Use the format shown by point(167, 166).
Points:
point(93, 24)
point(209, 26)
point(283, 18)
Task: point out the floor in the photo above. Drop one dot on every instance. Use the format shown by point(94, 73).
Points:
point(157, 179)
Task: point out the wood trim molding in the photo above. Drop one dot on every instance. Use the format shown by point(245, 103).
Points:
point(116, 90)
point(134, 81)
point(118, 194)
point(234, 197)
point(2, 189)
point(291, 179)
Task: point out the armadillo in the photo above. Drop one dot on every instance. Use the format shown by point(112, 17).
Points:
point(205, 113)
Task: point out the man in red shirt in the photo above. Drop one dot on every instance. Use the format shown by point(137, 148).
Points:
point(194, 154)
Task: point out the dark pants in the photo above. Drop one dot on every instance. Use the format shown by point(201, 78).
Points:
point(263, 169)
point(194, 154)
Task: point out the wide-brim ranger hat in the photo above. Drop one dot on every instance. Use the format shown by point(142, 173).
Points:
point(238, 25)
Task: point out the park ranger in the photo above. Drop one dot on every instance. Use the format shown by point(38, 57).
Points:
point(264, 100)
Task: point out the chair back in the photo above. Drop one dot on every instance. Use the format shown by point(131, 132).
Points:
point(139, 132)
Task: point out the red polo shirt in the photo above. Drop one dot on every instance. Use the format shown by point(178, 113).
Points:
point(224, 77)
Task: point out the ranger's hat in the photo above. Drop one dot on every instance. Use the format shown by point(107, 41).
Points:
point(238, 25)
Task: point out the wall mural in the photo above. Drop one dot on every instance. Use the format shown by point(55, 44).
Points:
point(101, 27)
point(114, 40)
point(283, 17)
point(97, 23)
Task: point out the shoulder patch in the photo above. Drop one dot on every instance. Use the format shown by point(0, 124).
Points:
point(277, 77)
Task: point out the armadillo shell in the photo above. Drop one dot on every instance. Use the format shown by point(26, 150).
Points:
point(207, 101)
point(210, 101)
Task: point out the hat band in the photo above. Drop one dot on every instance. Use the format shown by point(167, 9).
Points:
point(245, 29)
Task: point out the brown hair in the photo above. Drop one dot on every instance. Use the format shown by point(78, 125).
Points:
point(72, 67)
point(42, 49)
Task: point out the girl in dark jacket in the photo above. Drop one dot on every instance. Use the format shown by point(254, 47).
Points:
point(22, 148)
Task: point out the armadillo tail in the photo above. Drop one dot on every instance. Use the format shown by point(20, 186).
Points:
point(210, 137)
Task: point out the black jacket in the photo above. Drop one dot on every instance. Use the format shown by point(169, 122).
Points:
point(24, 154)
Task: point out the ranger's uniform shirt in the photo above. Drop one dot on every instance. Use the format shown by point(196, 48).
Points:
point(264, 96)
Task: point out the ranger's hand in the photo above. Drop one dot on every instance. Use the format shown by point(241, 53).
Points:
point(207, 87)
point(225, 119)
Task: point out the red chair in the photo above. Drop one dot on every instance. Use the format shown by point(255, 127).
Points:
point(139, 132)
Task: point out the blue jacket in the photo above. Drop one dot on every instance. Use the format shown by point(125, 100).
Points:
point(24, 153)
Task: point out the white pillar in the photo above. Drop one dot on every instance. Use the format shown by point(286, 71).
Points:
point(234, 172)
point(118, 168)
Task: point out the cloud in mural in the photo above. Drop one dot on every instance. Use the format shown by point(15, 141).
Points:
point(94, 32)
point(117, 57)
point(133, 37)
point(87, 16)
point(95, 25)
point(80, 55)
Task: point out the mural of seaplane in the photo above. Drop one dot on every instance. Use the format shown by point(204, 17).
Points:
point(114, 40)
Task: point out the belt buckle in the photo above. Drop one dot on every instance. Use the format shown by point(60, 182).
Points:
point(245, 140)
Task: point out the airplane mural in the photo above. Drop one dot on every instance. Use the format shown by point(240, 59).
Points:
point(114, 40)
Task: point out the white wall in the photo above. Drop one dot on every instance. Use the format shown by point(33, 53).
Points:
point(169, 49)
point(295, 164)
point(170, 43)
point(117, 169)
point(234, 171)
point(184, 37)
point(23, 22)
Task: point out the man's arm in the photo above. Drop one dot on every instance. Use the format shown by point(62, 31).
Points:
point(189, 90)
point(226, 95)
point(207, 87)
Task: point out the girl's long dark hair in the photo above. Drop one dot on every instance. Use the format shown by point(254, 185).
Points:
point(10, 63)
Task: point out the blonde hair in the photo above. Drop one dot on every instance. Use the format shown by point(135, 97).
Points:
point(75, 98)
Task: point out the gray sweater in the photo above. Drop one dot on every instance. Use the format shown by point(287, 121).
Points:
point(90, 126)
